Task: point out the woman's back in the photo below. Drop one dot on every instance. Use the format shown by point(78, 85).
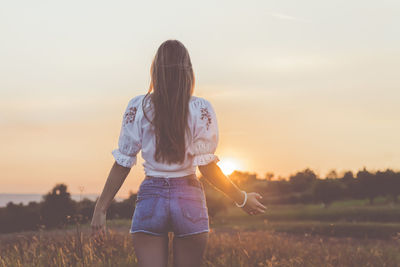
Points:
point(180, 131)
point(138, 134)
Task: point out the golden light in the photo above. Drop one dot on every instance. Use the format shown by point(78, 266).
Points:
point(228, 165)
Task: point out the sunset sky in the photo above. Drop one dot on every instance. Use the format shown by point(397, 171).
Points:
point(295, 84)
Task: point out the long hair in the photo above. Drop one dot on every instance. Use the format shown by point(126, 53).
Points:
point(172, 83)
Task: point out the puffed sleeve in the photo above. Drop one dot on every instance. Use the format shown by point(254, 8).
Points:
point(130, 138)
point(205, 133)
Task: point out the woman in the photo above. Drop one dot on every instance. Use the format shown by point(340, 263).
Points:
point(176, 132)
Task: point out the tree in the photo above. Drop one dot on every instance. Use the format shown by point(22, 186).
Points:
point(302, 181)
point(242, 178)
point(57, 206)
point(269, 176)
point(328, 190)
point(84, 210)
point(389, 183)
point(349, 182)
point(332, 175)
point(367, 185)
point(348, 176)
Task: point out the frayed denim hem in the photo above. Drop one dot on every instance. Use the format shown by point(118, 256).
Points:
point(183, 235)
point(148, 232)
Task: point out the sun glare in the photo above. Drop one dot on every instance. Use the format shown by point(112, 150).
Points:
point(228, 166)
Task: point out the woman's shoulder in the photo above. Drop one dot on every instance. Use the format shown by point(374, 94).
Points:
point(198, 102)
point(133, 108)
point(134, 101)
point(202, 110)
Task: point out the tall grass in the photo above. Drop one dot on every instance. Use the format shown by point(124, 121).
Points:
point(291, 235)
point(76, 247)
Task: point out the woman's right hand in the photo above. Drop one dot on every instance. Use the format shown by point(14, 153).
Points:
point(98, 222)
point(253, 206)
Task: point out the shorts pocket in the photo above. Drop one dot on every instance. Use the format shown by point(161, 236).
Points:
point(145, 205)
point(193, 209)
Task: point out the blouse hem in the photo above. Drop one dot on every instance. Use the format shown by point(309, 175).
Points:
point(170, 174)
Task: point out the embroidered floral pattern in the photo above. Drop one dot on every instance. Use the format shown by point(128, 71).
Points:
point(206, 115)
point(130, 115)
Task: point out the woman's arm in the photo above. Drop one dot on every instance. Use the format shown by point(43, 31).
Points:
point(215, 176)
point(114, 182)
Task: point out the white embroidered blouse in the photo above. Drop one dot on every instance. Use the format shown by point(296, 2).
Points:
point(137, 134)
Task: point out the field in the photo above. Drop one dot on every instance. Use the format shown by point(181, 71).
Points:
point(346, 234)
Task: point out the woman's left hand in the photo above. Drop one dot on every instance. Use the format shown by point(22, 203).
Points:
point(253, 206)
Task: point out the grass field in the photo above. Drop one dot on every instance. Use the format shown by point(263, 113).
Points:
point(342, 219)
point(345, 234)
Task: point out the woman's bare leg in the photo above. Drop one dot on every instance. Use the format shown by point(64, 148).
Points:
point(189, 250)
point(150, 250)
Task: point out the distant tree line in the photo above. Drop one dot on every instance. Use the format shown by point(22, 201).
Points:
point(305, 187)
point(57, 209)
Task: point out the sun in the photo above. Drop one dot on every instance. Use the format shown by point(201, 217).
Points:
point(228, 166)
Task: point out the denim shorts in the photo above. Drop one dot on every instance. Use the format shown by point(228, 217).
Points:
point(175, 205)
